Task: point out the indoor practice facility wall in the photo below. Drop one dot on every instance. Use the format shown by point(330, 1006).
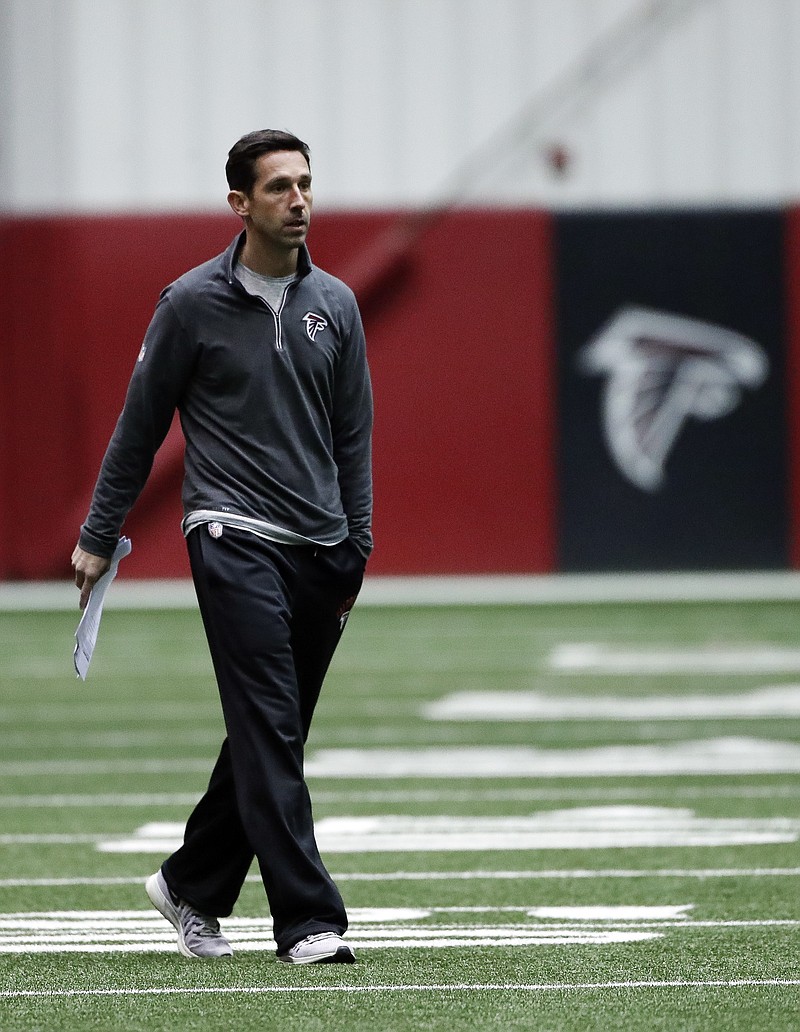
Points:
point(493, 447)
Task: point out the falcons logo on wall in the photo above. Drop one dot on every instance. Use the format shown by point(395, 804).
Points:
point(314, 323)
point(661, 369)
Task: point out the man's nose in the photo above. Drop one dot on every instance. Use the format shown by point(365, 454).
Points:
point(297, 199)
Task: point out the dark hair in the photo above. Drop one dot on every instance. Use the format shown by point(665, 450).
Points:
point(240, 169)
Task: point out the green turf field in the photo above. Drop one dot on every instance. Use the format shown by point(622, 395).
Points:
point(556, 817)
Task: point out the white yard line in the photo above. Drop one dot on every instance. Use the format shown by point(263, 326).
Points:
point(36, 839)
point(602, 658)
point(768, 702)
point(58, 802)
point(432, 987)
point(31, 768)
point(71, 926)
point(53, 883)
point(583, 827)
point(327, 796)
point(713, 756)
point(132, 931)
point(700, 873)
point(719, 756)
point(653, 791)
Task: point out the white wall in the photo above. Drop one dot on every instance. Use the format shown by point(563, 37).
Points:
point(133, 104)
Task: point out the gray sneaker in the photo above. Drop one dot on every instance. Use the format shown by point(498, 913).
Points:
point(323, 948)
point(198, 934)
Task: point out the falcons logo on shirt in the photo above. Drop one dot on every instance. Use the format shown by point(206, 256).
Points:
point(661, 369)
point(314, 323)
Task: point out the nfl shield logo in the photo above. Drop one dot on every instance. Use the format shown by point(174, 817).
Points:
point(215, 530)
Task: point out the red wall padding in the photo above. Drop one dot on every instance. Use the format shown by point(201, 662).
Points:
point(461, 345)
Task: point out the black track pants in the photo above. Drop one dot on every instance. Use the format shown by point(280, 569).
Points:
point(273, 616)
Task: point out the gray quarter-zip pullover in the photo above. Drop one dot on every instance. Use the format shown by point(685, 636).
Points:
point(275, 407)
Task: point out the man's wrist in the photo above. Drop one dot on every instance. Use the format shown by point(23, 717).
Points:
point(94, 545)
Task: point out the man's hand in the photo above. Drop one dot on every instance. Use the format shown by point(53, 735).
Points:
point(88, 571)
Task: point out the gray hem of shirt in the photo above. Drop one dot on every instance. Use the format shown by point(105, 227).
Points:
point(261, 528)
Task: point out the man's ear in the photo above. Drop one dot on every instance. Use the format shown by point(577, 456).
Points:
point(239, 203)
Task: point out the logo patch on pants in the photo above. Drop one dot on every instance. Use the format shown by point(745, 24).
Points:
point(344, 611)
point(215, 530)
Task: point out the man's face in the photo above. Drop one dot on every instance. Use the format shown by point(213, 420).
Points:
point(279, 205)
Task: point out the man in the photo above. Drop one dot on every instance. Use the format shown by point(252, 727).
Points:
point(264, 357)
